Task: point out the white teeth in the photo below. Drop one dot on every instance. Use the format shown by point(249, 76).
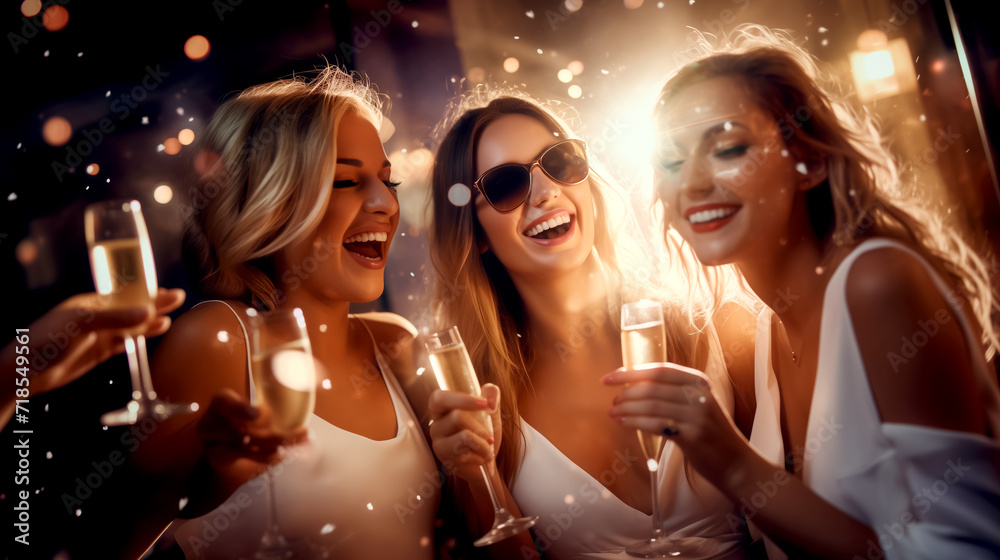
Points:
point(370, 236)
point(549, 224)
point(712, 215)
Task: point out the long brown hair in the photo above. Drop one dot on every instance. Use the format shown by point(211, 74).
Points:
point(474, 291)
point(864, 194)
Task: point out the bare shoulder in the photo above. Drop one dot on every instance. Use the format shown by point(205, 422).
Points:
point(204, 351)
point(914, 350)
point(397, 341)
point(737, 328)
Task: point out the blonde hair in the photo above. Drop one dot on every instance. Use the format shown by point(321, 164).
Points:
point(266, 161)
point(474, 290)
point(863, 194)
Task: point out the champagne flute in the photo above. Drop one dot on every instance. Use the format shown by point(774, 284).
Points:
point(284, 376)
point(121, 259)
point(454, 372)
point(644, 341)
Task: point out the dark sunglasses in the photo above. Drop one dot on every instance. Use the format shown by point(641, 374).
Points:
point(506, 186)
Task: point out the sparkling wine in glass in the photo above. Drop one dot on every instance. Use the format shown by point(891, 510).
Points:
point(284, 376)
point(644, 341)
point(121, 259)
point(454, 372)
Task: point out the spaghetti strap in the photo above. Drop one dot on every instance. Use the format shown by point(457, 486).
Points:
point(246, 340)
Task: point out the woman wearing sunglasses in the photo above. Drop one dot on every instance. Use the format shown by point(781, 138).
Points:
point(883, 440)
point(533, 271)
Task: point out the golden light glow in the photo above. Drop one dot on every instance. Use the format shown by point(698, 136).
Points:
point(56, 131)
point(633, 4)
point(477, 75)
point(511, 65)
point(871, 39)
point(102, 275)
point(878, 65)
point(172, 146)
point(186, 136)
point(30, 8)
point(565, 76)
point(55, 18)
point(197, 47)
point(576, 67)
point(26, 251)
point(163, 194)
point(93, 169)
point(575, 91)
point(573, 5)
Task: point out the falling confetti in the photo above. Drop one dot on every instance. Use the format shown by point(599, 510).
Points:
point(530, 14)
point(11, 197)
point(327, 529)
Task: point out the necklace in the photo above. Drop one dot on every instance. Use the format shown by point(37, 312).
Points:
point(796, 355)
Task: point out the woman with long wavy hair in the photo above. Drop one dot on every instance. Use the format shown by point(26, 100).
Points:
point(878, 416)
point(534, 271)
point(295, 207)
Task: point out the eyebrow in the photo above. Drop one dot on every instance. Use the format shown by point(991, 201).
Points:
point(358, 162)
point(703, 121)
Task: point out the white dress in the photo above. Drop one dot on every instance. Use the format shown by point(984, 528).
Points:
point(578, 517)
point(926, 492)
point(345, 495)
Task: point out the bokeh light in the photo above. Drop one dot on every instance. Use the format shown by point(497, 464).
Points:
point(186, 136)
point(575, 91)
point(565, 76)
point(163, 194)
point(30, 8)
point(197, 47)
point(477, 75)
point(511, 65)
point(26, 251)
point(633, 4)
point(576, 67)
point(459, 194)
point(573, 5)
point(172, 146)
point(871, 39)
point(55, 18)
point(93, 169)
point(56, 131)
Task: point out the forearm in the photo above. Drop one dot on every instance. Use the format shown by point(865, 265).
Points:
point(792, 514)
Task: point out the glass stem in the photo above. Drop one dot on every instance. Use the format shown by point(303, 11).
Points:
point(147, 381)
point(271, 534)
point(138, 388)
point(657, 523)
point(493, 494)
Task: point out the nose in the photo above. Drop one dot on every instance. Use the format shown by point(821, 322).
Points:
point(379, 198)
point(542, 188)
point(697, 178)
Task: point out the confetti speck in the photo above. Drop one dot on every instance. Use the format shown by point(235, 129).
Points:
point(530, 14)
point(327, 529)
point(12, 197)
point(801, 168)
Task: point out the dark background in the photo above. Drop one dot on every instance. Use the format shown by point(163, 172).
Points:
point(626, 54)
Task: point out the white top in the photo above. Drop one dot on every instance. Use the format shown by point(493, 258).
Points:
point(340, 493)
point(926, 492)
point(578, 517)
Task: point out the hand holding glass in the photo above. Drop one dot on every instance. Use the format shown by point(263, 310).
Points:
point(454, 372)
point(121, 259)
